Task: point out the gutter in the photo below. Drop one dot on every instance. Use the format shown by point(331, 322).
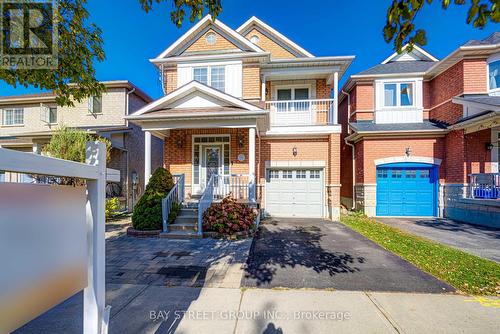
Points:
point(474, 120)
point(208, 57)
point(241, 114)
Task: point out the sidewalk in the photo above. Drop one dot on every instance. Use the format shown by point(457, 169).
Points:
point(155, 309)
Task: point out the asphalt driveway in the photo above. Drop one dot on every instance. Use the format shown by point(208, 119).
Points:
point(477, 240)
point(313, 253)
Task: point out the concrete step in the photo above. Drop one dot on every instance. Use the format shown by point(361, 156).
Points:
point(185, 219)
point(180, 235)
point(190, 204)
point(183, 226)
point(188, 212)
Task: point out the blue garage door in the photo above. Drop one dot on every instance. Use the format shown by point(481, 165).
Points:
point(406, 189)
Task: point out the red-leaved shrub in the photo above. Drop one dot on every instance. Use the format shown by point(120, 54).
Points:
point(228, 217)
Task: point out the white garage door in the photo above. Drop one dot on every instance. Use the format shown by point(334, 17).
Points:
point(294, 192)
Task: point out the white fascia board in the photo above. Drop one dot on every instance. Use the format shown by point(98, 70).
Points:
point(201, 25)
point(283, 38)
point(415, 47)
point(226, 56)
point(392, 75)
point(199, 115)
point(191, 87)
point(303, 130)
point(192, 123)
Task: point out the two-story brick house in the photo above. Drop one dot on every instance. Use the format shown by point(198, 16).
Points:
point(416, 128)
point(253, 111)
point(28, 121)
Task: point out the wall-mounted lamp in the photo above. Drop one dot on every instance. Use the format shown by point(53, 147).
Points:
point(489, 146)
point(240, 141)
point(294, 151)
point(408, 151)
point(180, 143)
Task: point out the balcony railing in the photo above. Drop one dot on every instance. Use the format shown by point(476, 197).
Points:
point(484, 186)
point(302, 112)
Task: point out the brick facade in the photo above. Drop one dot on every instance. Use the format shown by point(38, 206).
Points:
point(178, 158)
point(461, 153)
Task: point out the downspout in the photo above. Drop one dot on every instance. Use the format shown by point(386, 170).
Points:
point(126, 150)
point(162, 80)
point(353, 150)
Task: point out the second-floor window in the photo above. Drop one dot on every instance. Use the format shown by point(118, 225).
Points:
point(95, 105)
point(13, 117)
point(494, 75)
point(53, 115)
point(400, 94)
point(214, 76)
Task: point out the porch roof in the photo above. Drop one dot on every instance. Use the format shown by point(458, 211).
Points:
point(196, 105)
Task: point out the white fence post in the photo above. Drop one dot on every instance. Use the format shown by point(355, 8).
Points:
point(95, 315)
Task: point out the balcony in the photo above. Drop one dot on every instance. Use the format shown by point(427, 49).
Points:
point(484, 186)
point(302, 112)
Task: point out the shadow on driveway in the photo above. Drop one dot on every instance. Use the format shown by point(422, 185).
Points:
point(314, 253)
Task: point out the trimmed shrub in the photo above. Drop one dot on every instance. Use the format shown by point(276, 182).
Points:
point(147, 213)
point(112, 206)
point(228, 217)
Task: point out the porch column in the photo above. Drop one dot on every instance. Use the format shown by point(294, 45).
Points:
point(251, 162)
point(334, 119)
point(263, 89)
point(147, 157)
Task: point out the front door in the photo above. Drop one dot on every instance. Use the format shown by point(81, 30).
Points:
point(212, 162)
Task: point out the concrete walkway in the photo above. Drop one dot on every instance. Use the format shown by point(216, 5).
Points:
point(155, 309)
point(477, 240)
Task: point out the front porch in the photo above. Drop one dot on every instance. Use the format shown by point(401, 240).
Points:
point(229, 156)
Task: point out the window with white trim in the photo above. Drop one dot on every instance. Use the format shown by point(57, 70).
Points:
point(13, 116)
point(213, 76)
point(400, 94)
point(95, 105)
point(494, 75)
point(53, 115)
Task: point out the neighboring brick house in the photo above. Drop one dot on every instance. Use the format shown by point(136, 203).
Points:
point(28, 121)
point(255, 111)
point(415, 129)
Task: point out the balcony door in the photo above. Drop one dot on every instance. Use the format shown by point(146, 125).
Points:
point(296, 105)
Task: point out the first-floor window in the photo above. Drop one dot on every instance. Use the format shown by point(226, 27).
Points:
point(196, 164)
point(13, 117)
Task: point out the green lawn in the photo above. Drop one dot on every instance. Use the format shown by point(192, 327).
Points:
point(467, 273)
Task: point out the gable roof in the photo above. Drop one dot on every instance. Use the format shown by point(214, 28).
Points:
point(254, 22)
point(199, 28)
point(492, 39)
point(417, 53)
point(192, 88)
point(397, 67)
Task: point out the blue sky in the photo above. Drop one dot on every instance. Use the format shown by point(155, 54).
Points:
point(326, 28)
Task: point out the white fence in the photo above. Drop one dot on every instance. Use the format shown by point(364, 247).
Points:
point(52, 239)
